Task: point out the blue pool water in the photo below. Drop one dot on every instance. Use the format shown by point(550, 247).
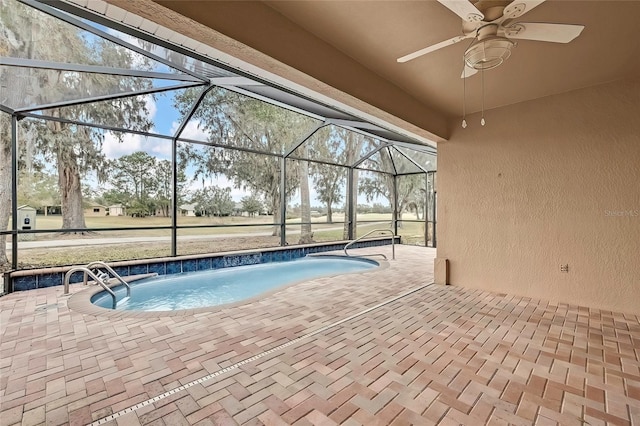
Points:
point(219, 286)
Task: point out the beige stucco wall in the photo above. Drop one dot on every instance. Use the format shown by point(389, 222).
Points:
point(546, 182)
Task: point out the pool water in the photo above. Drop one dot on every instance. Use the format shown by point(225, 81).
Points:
point(219, 286)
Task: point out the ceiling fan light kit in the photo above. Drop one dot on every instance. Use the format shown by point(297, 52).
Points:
point(488, 53)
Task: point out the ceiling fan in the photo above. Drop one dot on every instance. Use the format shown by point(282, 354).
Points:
point(490, 24)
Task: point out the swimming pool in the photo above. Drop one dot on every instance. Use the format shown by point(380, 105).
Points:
point(227, 285)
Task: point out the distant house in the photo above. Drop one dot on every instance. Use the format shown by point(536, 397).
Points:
point(95, 210)
point(50, 210)
point(188, 210)
point(117, 210)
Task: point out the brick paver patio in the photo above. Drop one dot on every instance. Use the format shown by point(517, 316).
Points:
point(440, 355)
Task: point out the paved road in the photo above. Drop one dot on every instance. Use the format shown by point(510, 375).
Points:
point(122, 240)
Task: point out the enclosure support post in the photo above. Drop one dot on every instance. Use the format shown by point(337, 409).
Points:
point(395, 205)
point(433, 206)
point(425, 212)
point(174, 197)
point(14, 191)
point(283, 201)
point(349, 213)
point(174, 169)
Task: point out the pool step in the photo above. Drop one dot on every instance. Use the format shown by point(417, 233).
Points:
point(95, 271)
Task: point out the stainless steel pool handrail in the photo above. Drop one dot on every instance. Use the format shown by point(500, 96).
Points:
point(102, 280)
point(94, 270)
point(393, 243)
point(98, 264)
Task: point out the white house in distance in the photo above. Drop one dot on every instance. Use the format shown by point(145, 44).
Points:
point(117, 210)
point(188, 210)
point(94, 209)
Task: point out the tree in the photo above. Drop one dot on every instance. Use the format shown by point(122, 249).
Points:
point(164, 186)
point(143, 183)
point(37, 188)
point(238, 121)
point(213, 201)
point(251, 204)
point(329, 180)
point(411, 194)
point(23, 85)
point(78, 150)
point(410, 189)
point(135, 176)
point(354, 143)
point(306, 235)
point(417, 203)
point(115, 196)
point(329, 184)
point(75, 150)
point(222, 204)
point(200, 200)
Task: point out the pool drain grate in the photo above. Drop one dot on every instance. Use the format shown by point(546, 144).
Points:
point(250, 359)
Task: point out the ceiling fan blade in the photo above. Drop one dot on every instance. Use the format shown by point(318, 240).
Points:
point(518, 8)
point(464, 9)
point(555, 33)
point(430, 49)
point(468, 72)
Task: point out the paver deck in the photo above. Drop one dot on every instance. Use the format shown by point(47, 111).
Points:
point(440, 355)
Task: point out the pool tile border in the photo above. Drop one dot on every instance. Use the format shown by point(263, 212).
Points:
point(31, 279)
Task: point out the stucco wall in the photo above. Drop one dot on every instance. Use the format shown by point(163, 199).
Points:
point(544, 183)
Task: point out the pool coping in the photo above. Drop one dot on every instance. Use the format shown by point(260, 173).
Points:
point(80, 301)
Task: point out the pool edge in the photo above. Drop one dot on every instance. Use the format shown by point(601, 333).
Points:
point(80, 301)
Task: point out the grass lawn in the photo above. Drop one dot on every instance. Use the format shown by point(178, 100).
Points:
point(55, 222)
point(59, 256)
point(235, 237)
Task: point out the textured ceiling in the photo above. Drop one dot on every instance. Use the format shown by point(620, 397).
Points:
point(375, 33)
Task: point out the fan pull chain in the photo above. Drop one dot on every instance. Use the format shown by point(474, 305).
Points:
point(482, 75)
point(464, 93)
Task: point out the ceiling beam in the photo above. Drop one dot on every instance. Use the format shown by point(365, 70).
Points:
point(95, 69)
point(107, 97)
